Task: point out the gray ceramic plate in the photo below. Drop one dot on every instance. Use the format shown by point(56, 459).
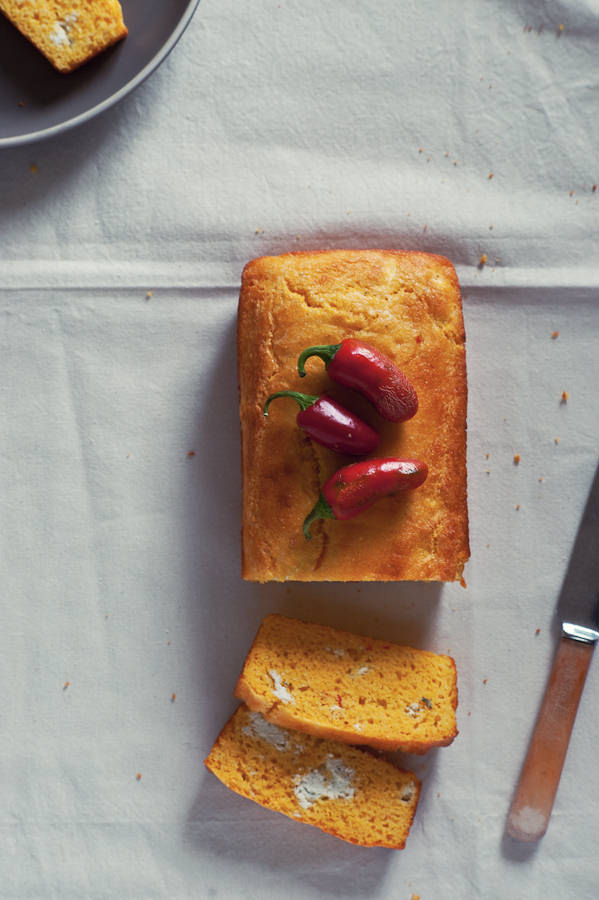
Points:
point(37, 102)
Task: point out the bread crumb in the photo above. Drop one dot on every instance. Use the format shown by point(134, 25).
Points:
point(555, 335)
point(517, 459)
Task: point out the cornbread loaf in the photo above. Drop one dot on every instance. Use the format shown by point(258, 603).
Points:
point(67, 32)
point(342, 790)
point(342, 686)
point(408, 306)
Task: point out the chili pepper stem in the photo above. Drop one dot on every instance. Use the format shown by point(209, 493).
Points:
point(322, 510)
point(325, 351)
point(304, 400)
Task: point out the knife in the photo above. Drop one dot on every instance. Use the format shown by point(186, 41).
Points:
point(577, 611)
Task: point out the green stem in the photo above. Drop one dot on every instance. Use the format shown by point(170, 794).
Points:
point(304, 400)
point(325, 351)
point(322, 510)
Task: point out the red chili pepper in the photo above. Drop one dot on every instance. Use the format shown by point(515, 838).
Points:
point(366, 369)
point(354, 488)
point(330, 424)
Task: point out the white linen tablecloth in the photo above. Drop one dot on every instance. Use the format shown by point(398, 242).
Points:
point(463, 128)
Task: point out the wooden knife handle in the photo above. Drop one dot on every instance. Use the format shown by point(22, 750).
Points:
point(533, 801)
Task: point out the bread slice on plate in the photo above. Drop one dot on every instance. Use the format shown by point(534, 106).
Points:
point(342, 790)
point(350, 688)
point(67, 32)
point(407, 305)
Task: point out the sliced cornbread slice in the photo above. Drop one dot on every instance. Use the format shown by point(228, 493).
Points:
point(350, 688)
point(67, 32)
point(344, 791)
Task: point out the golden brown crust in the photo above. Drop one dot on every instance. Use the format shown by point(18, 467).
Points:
point(406, 304)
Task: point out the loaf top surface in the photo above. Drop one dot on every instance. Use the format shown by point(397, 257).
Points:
point(350, 688)
point(344, 791)
point(67, 32)
point(408, 306)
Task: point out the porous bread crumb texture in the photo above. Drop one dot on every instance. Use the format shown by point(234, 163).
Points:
point(350, 688)
point(342, 790)
point(408, 305)
point(67, 32)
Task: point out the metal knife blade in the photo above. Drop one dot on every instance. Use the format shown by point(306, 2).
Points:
point(577, 609)
point(577, 603)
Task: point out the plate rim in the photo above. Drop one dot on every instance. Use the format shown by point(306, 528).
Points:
point(18, 140)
